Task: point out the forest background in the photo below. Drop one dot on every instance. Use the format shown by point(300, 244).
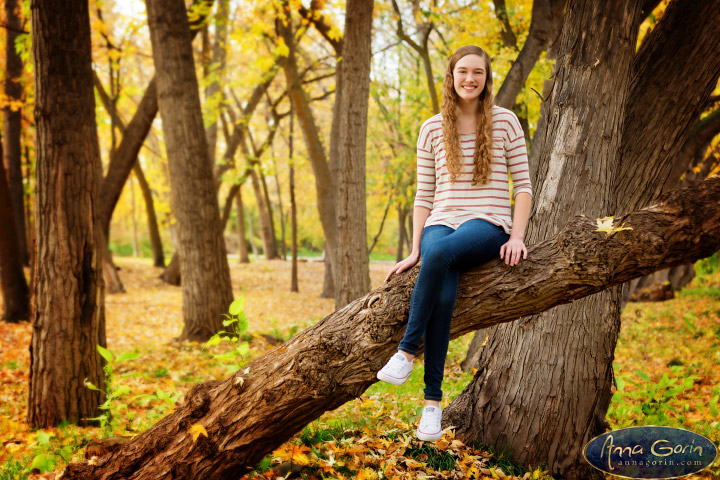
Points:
point(239, 64)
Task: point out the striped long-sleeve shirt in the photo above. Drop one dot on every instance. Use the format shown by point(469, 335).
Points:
point(451, 203)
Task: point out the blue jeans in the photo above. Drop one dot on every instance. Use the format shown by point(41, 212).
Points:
point(445, 253)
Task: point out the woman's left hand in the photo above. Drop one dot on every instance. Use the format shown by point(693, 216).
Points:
point(512, 250)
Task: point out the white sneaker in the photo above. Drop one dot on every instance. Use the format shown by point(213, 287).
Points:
point(430, 428)
point(396, 370)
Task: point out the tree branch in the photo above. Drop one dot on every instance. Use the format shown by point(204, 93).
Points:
point(336, 360)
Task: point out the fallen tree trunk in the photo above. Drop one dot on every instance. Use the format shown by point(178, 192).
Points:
point(334, 361)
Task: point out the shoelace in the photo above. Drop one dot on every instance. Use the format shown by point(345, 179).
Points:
point(431, 421)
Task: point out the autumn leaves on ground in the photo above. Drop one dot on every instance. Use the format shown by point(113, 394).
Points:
point(667, 368)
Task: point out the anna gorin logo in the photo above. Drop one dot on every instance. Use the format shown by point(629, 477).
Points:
point(650, 452)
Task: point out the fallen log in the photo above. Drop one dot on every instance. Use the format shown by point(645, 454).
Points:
point(334, 361)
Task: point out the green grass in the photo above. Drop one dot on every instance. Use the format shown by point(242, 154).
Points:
point(14, 469)
point(429, 454)
point(317, 433)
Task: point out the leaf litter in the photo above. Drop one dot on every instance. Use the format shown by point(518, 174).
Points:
point(371, 437)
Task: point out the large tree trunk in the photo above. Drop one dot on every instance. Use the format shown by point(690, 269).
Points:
point(12, 125)
point(15, 292)
point(68, 309)
point(336, 360)
point(203, 260)
point(576, 150)
point(685, 38)
point(352, 268)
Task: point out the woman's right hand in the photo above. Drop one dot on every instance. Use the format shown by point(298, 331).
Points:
point(403, 265)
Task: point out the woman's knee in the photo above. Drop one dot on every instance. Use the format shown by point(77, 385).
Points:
point(435, 256)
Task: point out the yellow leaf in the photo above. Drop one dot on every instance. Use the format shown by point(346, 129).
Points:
point(196, 430)
point(366, 474)
point(473, 473)
point(413, 463)
point(300, 459)
point(606, 225)
point(335, 33)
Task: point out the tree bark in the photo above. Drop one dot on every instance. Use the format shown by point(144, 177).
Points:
point(15, 292)
point(352, 278)
point(336, 360)
point(12, 125)
point(203, 259)
point(575, 153)
point(68, 308)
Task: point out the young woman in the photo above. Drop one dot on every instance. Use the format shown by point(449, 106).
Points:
point(461, 216)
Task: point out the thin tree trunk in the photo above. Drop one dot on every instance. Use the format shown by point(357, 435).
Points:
point(334, 361)
point(324, 186)
point(263, 214)
point(402, 233)
point(280, 207)
point(352, 278)
point(251, 236)
point(242, 245)
point(136, 248)
point(270, 216)
point(382, 225)
point(68, 301)
point(575, 153)
point(294, 287)
point(15, 292)
point(12, 124)
point(206, 288)
point(227, 207)
point(125, 157)
point(153, 229)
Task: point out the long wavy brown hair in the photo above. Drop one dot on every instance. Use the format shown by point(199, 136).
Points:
point(482, 157)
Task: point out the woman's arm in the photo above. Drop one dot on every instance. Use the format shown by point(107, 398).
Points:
point(515, 247)
point(420, 215)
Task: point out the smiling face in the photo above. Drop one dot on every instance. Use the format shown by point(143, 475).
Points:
point(469, 77)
